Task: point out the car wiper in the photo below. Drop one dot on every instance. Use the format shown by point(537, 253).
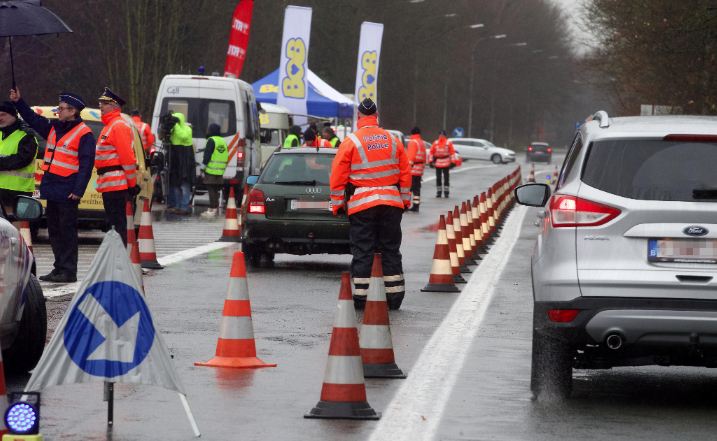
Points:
point(296, 182)
point(704, 193)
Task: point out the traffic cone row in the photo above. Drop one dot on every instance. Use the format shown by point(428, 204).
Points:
point(469, 230)
point(232, 225)
point(147, 254)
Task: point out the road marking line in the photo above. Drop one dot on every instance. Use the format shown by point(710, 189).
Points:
point(461, 169)
point(72, 288)
point(426, 391)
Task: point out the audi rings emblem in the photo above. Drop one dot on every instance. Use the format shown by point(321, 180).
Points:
point(313, 190)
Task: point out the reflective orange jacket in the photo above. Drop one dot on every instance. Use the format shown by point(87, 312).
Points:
point(114, 155)
point(62, 156)
point(442, 152)
point(416, 151)
point(145, 132)
point(376, 163)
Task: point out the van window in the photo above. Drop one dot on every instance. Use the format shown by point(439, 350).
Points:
point(201, 112)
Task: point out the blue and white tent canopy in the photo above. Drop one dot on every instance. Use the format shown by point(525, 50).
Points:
point(324, 100)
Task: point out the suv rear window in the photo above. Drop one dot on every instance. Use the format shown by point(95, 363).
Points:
point(653, 170)
point(297, 169)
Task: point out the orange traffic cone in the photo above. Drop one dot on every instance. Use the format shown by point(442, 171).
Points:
point(453, 230)
point(452, 250)
point(244, 195)
point(343, 395)
point(231, 223)
point(3, 400)
point(130, 227)
point(136, 262)
point(375, 342)
point(146, 240)
point(555, 175)
point(485, 227)
point(468, 233)
point(531, 177)
point(459, 218)
point(477, 230)
point(26, 235)
point(441, 278)
point(236, 347)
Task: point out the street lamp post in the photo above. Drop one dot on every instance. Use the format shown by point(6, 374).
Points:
point(470, 107)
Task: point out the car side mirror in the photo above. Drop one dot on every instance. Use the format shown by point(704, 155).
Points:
point(251, 180)
point(532, 195)
point(27, 209)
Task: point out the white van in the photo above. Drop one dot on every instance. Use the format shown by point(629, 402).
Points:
point(274, 123)
point(228, 102)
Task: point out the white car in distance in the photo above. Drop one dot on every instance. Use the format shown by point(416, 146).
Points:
point(473, 148)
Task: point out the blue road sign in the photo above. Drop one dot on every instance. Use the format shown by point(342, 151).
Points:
point(577, 125)
point(107, 313)
point(458, 132)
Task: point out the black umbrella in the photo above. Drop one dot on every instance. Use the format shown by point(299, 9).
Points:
point(18, 18)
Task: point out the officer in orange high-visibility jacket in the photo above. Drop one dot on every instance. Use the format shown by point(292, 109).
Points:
point(416, 150)
point(371, 180)
point(115, 162)
point(443, 157)
point(144, 130)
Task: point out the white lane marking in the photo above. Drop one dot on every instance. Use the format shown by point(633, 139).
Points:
point(460, 170)
point(72, 288)
point(429, 385)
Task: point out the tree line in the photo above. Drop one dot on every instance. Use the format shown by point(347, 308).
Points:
point(430, 54)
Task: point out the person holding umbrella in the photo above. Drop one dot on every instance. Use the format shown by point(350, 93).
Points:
point(67, 165)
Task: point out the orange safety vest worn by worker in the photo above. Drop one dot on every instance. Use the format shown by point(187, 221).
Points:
point(145, 132)
point(443, 153)
point(416, 151)
point(114, 155)
point(62, 157)
point(319, 142)
point(376, 164)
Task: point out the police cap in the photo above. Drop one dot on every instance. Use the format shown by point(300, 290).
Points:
point(367, 107)
point(108, 95)
point(75, 101)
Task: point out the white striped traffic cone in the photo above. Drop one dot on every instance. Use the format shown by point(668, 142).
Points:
point(26, 234)
point(484, 219)
point(453, 230)
point(443, 274)
point(146, 240)
point(232, 228)
point(244, 195)
point(136, 262)
point(477, 230)
point(468, 234)
point(531, 177)
point(461, 239)
point(375, 341)
point(130, 227)
point(236, 347)
point(453, 250)
point(555, 176)
point(343, 395)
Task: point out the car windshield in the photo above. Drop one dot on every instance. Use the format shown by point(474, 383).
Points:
point(298, 169)
point(653, 170)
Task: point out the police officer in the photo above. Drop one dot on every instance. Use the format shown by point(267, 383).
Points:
point(416, 151)
point(442, 155)
point(216, 156)
point(116, 164)
point(67, 165)
point(144, 130)
point(371, 180)
point(17, 157)
point(294, 138)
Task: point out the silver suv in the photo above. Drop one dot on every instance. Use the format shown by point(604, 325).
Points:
point(625, 266)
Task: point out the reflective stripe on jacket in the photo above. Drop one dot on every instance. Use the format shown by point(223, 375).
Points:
point(145, 132)
point(376, 164)
point(62, 157)
point(115, 154)
point(220, 157)
point(416, 151)
point(443, 153)
point(22, 179)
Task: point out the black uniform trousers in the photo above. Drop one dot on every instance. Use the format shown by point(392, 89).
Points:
point(442, 184)
point(62, 229)
point(416, 190)
point(116, 212)
point(377, 230)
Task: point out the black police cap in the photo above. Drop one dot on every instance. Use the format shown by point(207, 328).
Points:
point(367, 107)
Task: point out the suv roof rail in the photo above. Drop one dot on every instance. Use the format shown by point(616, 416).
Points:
point(600, 116)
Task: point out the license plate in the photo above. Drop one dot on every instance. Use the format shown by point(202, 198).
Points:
point(298, 204)
point(682, 250)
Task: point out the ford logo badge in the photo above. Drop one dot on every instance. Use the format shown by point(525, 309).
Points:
point(313, 190)
point(696, 231)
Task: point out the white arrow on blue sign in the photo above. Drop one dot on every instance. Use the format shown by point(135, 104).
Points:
point(458, 132)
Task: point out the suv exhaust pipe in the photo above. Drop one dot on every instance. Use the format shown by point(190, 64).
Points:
point(614, 341)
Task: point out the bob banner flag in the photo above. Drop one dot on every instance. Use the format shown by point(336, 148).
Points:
point(367, 67)
point(293, 71)
point(239, 38)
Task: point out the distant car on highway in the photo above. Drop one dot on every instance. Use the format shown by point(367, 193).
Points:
point(473, 148)
point(625, 265)
point(23, 324)
point(539, 152)
point(288, 209)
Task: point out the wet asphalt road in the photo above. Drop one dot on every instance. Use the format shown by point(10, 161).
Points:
point(292, 308)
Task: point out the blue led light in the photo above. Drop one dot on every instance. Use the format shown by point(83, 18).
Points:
point(21, 418)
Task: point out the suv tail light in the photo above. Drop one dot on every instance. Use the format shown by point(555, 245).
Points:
point(256, 202)
point(571, 211)
point(530, 149)
point(549, 150)
point(562, 315)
